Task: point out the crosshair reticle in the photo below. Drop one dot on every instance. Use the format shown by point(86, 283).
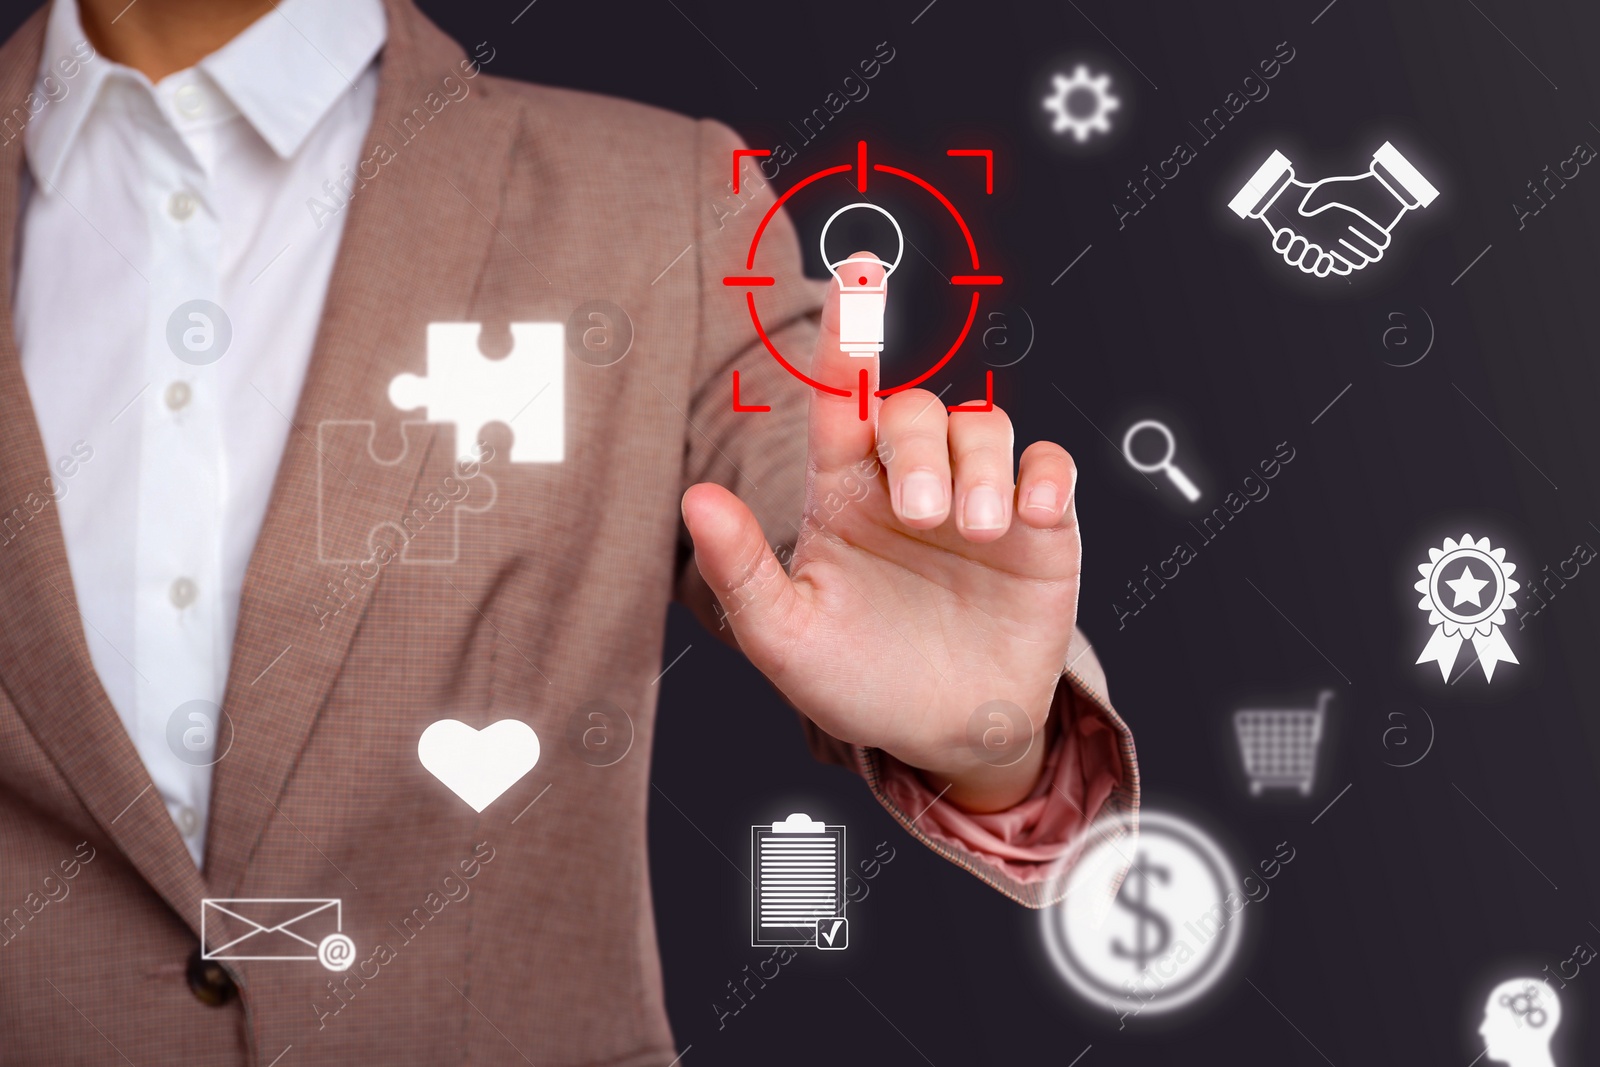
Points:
point(977, 281)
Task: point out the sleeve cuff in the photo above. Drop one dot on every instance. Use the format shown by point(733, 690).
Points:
point(1419, 191)
point(1090, 772)
point(1251, 200)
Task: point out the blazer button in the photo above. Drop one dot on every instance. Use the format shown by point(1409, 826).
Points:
point(210, 981)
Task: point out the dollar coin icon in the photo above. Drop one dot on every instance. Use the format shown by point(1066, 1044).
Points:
point(1163, 935)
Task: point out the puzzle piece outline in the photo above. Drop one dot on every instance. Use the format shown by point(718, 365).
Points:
point(396, 525)
point(463, 387)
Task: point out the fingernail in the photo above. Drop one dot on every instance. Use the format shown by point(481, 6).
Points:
point(922, 495)
point(983, 510)
point(1041, 497)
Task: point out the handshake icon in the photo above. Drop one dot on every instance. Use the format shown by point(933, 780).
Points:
point(1337, 225)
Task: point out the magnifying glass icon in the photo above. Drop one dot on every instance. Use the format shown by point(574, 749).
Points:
point(1174, 475)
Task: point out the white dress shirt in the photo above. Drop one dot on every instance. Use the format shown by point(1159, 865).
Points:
point(144, 199)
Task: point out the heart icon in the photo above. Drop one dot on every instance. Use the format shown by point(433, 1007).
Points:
point(478, 765)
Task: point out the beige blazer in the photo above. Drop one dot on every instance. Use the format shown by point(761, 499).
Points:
point(521, 934)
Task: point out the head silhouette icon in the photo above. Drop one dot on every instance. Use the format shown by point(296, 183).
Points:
point(1519, 1019)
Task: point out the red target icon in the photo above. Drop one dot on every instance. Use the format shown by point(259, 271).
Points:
point(976, 280)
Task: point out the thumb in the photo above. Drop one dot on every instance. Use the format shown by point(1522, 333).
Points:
point(741, 569)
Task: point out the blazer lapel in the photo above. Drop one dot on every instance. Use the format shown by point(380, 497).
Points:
point(415, 241)
point(44, 657)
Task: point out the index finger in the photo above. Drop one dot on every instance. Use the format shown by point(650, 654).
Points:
point(840, 428)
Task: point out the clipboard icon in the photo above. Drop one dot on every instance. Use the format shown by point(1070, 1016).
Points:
point(799, 883)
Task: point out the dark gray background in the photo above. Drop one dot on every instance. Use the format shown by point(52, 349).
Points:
point(1420, 888)
point(1405, 903)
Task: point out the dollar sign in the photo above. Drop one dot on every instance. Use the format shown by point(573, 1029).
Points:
point(1134, 897)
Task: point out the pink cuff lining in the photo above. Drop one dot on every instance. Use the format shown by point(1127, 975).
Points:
point(1087, 768)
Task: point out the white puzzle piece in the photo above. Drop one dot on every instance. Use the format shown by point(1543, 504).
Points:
point(525, 390)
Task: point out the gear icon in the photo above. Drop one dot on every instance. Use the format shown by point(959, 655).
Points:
point(1081, 103)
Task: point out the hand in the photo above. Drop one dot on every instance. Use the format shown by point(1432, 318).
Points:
point(1334, 227)
point(1339, 225)
point(915, 594)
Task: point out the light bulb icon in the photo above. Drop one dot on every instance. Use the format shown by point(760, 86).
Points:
point(861, 303)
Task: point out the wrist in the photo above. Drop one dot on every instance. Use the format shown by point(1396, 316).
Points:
point(979, 787)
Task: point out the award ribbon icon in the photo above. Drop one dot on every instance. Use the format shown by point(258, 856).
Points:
point(1466, 588)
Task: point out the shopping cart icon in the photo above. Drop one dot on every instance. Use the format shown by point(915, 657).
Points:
point(1279, 748)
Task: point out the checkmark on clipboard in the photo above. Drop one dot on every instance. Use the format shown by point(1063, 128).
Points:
point(833, 933)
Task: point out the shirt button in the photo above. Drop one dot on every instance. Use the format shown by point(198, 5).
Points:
point(178, 395)
point(183, 592)
point(190, 100)
point(209, 980)
point(188, 821)
point(181, 206)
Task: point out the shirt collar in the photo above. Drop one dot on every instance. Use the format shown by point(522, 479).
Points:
point(283, 73)
point(64, 90)
point(293, 64)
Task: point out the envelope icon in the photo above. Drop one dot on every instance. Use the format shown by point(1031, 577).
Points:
point(267, 928)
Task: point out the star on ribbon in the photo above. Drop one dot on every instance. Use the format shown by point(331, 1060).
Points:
point(1453, 625)
point(1467, 588)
